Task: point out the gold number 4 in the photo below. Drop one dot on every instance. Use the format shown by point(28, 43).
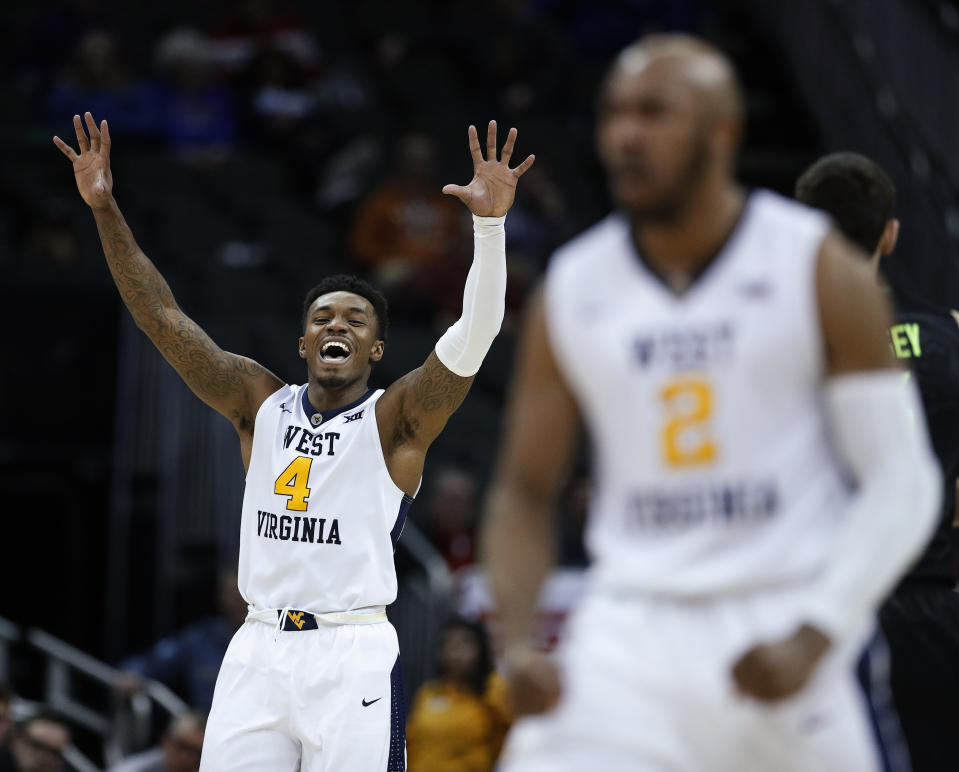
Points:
point(689, 407)
point(292, 483)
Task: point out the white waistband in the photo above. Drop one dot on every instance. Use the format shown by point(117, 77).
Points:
point(360, 616)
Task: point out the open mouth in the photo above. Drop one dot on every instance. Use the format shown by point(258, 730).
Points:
point(335, 352)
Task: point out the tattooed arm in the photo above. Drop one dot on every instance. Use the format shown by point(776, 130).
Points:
point(233, 385)
point(411, 415)
point(415, 409)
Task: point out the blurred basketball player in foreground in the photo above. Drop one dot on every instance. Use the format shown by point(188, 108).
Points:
point(312, 681)
point(754, 454)
point(920, 620)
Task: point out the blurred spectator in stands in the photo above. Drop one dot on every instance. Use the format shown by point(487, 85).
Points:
point(409, 233)
point(318, 121)
point(43, 44)
point(37, 744)
point(47, 248)
point(522, 59)
point(459, 719)
point(255, 25)
point(178, 751)
point(278, 97)
point(451, 509)
point(98, 80)
point(197, 113)
point(6, 705)
point(188, 661)
point(407, 221)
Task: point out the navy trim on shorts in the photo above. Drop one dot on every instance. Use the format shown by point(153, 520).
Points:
point(872, 672)
point(401, 519)
point(396, 761)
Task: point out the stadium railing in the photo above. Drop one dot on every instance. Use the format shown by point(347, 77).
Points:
point(125, 726)
point(423, 600)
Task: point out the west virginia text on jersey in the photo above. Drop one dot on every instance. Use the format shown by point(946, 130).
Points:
point(713, 469)
point(321, 514)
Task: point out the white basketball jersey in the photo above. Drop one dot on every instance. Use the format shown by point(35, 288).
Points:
point(713, 469)
point(321, 514)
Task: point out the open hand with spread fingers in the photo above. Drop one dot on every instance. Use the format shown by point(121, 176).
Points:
point(491, 191)
point(92, 166)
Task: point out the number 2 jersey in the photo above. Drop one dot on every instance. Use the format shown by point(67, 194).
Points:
point(713, 470)
point(321, 514)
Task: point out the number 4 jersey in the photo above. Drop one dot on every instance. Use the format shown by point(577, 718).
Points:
point(321, 514)
point(713, 470)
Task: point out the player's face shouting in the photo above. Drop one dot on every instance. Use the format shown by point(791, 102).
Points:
point(341, 339)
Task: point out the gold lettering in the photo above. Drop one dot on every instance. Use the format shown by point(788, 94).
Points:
point(296, 618)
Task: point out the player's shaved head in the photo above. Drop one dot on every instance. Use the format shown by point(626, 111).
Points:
point(693, 61)
point(670, 121)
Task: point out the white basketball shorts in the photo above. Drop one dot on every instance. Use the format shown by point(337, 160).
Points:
point(328, 699)
point(647, 687)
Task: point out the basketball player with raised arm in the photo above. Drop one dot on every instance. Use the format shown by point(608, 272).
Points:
point(753, 454)
point(311, 680)
point(920, 619)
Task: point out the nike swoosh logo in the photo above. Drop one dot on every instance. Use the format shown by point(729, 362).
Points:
point(367, 704)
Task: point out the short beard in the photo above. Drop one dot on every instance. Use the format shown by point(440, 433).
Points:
point(669, 208)
point(335, 382)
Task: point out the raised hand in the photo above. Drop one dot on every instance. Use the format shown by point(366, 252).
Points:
point(491, 191)
point(92, 166)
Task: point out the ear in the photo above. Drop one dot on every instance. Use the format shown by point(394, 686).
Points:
point(733, 136)
point(376, 353)
point(727, 135)
point(302, 348)
point(890, 236)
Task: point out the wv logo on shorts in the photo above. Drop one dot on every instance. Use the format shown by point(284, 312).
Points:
point(296, 618)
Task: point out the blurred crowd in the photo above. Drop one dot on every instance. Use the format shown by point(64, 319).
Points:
point(361, 108)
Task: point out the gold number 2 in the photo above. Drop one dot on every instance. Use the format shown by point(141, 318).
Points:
point(292, 483)
point(686, 437)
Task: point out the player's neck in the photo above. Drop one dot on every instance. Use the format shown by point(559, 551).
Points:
point(699, 231)
point(330, 398)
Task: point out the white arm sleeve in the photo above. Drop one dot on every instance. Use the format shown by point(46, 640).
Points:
point(462, 347)
point(880, 434)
